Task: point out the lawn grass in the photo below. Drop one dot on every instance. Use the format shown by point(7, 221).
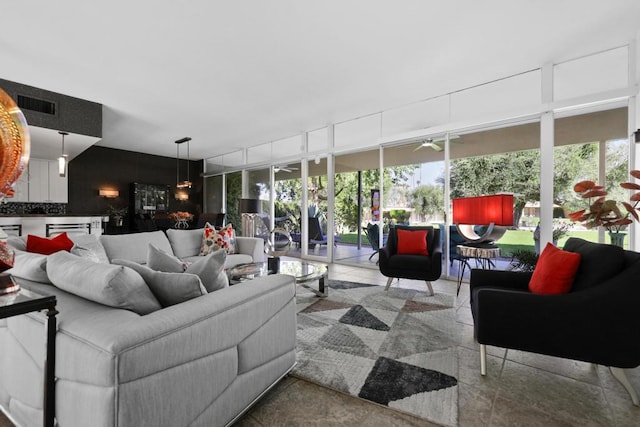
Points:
point(512, 240)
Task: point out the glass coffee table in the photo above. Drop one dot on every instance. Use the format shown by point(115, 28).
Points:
point(304, 272)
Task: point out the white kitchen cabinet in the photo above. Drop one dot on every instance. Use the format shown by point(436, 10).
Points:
point(58, 192)
point(45, 185)
point(21, 188)
point(38, 180)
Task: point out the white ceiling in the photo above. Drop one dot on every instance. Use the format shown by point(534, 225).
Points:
point(234, 74)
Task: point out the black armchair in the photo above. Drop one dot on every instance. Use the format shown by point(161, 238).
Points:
point(418, 267)
point(596, 322)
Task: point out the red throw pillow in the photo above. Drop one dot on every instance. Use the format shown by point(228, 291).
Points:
point(412, 242)
point(44, 246)
point(554, 272)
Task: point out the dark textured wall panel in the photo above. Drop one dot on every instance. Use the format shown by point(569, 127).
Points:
point(73, 115)
point(100, 167)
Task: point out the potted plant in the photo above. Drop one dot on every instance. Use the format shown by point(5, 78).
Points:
point(603, 212)
point(117, 215)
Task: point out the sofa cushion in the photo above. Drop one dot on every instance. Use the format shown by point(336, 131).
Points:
point(211, 240)
point(209, 268)
point(159, 260)
point(412, 242)
point(168, 288)
point(134, 246)
point(48, 246)
point(598, 262)
point(112, 285)
point(30, 266)
point(88, 246)
point(229, 237)
point(185, 243)
point(555, 271)
point(211, 271)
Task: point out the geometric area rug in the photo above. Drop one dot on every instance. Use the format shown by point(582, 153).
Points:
point(396, 348)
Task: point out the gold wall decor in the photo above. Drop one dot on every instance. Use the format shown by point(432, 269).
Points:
point(14, 144)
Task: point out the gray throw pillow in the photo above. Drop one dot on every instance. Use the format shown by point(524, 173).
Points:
point(185, 243)
point(88, 246)
point(160, 260)
point(112, 285)
point(169, 288)
point(210, 268)
point(30, 266)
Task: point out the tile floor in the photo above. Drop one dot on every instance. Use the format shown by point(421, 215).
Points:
point(520, 389)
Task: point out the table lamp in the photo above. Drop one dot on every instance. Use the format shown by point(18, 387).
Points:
point(495, 212)
point(249, 208)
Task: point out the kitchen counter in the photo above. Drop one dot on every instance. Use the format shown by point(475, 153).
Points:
point(37, 223)
point(27, 215)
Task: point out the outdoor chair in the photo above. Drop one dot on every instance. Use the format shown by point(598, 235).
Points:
point(372, 231)
point(596, 321)
point(408, 265)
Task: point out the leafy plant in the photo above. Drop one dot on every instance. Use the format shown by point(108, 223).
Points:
point(524, 260)
point(606, 212)
point(116, 212)
point(560, 229)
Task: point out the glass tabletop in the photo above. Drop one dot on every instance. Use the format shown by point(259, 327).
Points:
point(303, 271)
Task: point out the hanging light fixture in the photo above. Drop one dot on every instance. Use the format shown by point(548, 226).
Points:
point(186, 183)
point(62, 160)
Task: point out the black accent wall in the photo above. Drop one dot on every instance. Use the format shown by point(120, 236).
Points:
point(100, 167)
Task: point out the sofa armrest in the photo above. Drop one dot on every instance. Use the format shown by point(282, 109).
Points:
point(253, 246)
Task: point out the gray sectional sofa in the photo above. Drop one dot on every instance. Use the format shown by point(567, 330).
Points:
point(201, 362)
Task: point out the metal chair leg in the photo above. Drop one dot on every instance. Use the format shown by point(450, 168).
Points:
point(389, 280)
point(621, 376)
point(431, 293)
point(483, 359)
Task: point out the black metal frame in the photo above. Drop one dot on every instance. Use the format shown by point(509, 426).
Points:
point(59, 228)
point(27, 303)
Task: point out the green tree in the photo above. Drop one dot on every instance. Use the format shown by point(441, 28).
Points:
point(427, 200)
point(346, 191)
point(518, 173)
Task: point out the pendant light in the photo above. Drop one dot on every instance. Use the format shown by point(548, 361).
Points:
point(186, 184)
point(62, 160)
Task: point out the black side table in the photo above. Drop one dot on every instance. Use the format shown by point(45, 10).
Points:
point(25, 301)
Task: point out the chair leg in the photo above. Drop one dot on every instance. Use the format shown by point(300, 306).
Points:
point(431, 293)
point(483, 359)
point(389, 280)
point(621, 376)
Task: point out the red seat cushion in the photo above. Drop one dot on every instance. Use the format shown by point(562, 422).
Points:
point(412, 242)
point(554, 272)
point(44, 246)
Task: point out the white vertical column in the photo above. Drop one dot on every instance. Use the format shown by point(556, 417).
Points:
point(447, 205)
point(546, 159)
point(381, 185)
point(546, 178)
point(634, 124)
point(304, 209)
point(224, 193)
point(245, 184)
point(330, 206)
point(272, 196)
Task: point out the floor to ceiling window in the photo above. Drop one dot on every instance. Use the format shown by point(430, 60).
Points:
point(356, 187)
point(288, 203)
point(589, 146)
point(234, 194)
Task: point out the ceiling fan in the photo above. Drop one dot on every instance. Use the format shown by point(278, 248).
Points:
point(436, 143)
point(284, 168)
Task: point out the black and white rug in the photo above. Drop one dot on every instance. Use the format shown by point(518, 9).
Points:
point(396, 348)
